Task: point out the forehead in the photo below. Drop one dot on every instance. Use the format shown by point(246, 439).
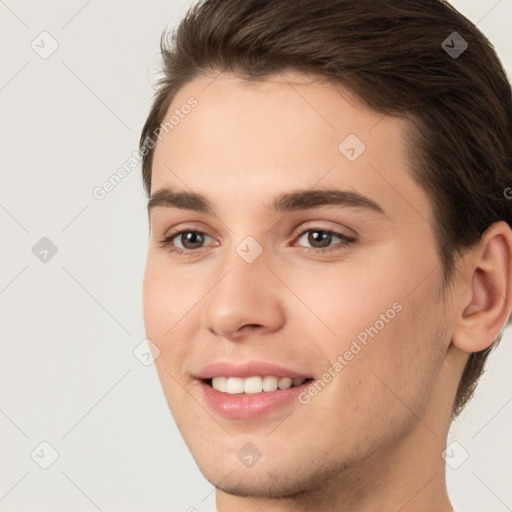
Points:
point(285, 114)
point(252, 139)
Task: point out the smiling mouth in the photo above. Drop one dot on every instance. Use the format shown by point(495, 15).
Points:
point(254, 385)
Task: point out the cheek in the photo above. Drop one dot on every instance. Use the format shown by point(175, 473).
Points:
point(168, 294)
point(165, 302)
point(380, 325)
point(349, 299)
point(396, 369)
point(168, 307)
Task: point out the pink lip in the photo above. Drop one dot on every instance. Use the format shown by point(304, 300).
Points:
point(247, 369)
point(247, 406)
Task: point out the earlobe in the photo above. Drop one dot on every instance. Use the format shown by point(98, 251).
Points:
point(487, 274)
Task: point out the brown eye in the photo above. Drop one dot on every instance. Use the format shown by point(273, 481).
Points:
point(323, 242)
point(191, 239)
point(319, 239)
point(184, 242)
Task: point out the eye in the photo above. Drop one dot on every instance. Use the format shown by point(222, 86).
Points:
point(190, 240)
point(321, 240)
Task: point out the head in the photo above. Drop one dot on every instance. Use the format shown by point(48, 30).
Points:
point(285, 97)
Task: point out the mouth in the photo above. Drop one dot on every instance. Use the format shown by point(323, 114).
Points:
point(254, 385)
point(251, 389)
point(254, 397)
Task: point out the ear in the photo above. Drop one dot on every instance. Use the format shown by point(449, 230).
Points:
point(485, 298)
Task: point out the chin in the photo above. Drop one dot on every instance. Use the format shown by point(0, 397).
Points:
point(272, 478)
point(262, 485)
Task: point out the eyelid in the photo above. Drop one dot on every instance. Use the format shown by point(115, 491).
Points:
point(317, 225)
point(168, 238)
point(193, 225)
point(167, 241)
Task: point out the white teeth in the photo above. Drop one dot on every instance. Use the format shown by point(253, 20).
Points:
point(285, 383)
point(219, 383)
point(235, 385)
point(252, 385)
point(270, 383)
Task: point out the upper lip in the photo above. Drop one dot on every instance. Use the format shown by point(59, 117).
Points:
point(247, 369)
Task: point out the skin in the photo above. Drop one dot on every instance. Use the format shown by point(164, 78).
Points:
point(373, 437)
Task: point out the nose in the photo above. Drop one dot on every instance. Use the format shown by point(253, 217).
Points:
point(246, 297)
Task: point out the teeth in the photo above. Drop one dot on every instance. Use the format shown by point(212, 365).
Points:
point(234, 385)
point(270, 383)
point(252, 385)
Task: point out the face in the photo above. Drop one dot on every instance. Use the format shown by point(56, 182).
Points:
point(268, 268)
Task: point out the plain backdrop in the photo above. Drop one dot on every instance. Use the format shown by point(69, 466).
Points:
point(71, 275)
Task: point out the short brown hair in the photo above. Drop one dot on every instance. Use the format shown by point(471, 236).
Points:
point(390, 55)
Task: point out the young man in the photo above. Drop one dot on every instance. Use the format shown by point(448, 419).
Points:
point(330, 246)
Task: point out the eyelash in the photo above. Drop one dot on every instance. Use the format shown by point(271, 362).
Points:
point(345, 242)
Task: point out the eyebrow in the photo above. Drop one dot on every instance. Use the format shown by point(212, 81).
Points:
point(285, 202)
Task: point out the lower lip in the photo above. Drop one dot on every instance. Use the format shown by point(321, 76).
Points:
point(246, 406)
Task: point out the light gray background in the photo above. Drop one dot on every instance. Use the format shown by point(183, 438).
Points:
point(70, 325)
